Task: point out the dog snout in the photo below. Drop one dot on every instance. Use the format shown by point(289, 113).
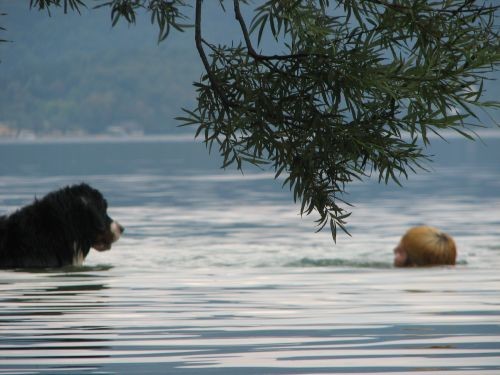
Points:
point(117, 229)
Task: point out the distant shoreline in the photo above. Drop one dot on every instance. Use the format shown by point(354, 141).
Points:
point(99, 138)
point(186, 137)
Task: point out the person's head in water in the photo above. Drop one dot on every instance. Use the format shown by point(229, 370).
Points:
point(425, 246)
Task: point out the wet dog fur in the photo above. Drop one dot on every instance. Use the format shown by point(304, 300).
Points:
point(57, 230)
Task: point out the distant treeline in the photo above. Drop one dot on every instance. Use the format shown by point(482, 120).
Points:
point(73, 73)
point(69, 73)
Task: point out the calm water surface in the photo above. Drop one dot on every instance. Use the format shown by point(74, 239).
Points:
point(218, 274)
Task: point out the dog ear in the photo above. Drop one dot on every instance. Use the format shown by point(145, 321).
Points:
point(91, 214)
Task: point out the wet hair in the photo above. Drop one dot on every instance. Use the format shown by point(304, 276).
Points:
point(426, 246)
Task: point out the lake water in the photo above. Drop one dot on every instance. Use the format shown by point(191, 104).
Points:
point(218, 274)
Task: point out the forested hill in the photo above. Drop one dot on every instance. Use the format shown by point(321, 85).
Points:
point(74, 74)
point(71, 73)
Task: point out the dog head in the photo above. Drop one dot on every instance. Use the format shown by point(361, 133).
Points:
point(102, 229)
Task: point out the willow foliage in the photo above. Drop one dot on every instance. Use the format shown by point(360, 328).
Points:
point(349, 90)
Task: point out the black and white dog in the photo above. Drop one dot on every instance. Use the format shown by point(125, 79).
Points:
point(57, 230)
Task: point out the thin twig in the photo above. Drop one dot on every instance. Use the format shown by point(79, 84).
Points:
point(199, 46)
point(251, 50)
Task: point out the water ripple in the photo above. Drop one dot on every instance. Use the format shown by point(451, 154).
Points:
point(254, 322)
point(218, 274)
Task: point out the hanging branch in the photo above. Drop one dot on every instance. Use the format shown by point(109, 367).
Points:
point(199, 46)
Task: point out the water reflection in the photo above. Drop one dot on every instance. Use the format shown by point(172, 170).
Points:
point(251, 321)
point(217, 273)
point(42, 319)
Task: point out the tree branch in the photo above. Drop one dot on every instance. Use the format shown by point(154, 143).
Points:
point(248, 42)
point(203, 56)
